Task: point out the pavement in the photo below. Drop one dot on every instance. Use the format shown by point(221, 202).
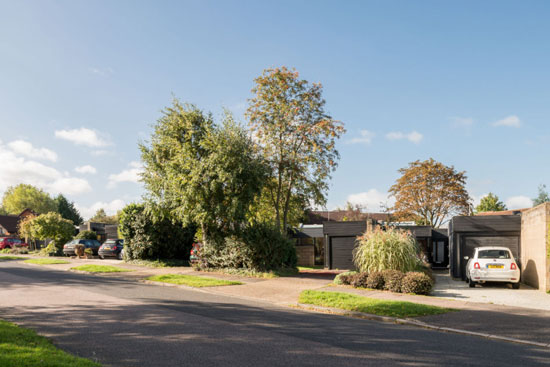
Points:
point(492, 293)
point(121, 322)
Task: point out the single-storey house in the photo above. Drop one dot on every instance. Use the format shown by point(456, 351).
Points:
point(103, 231)
point(526, 232)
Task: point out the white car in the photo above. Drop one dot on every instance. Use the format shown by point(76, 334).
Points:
point(492, 264)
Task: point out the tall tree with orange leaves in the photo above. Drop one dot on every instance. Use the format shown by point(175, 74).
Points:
point(430, 192)
point(288, 120)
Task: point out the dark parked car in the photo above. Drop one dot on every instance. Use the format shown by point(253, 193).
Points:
point(111, 248)
point(68, 249)
point(11, 242)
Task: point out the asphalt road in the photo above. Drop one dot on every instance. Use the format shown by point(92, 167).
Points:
point(124, 323)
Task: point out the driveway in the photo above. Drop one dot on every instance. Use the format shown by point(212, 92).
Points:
point(498, 294)
point(122, 323)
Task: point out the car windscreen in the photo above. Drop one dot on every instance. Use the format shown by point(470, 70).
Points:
point(73, 242)
point(493, 254)
point(110, 242)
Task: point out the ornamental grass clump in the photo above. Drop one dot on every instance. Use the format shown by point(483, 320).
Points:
point(391, 249)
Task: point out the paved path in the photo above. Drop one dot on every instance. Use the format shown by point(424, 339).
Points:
point(494, 293)
point(125, 323)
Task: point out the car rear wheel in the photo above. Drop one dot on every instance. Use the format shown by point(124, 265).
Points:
point(101, 257)
point(471, 283)
point(515, 285)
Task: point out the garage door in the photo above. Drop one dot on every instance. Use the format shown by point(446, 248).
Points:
point(342, 252)
point(470, 243)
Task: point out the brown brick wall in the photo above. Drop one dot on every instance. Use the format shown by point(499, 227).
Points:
point(535, 224)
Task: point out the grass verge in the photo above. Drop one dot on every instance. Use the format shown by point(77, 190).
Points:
point(6, 258)
point(353, 302)
point(191, 280)
point(159, 263)
point(100, 269)
point(46, 261)
point(24, 348)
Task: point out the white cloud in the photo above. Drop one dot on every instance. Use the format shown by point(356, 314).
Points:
point(510, 121)
point(110, 208)
point(462, 121)
point(372, 199)
point(131, 174)
point(16, 169)
point(364, 138)
point(25, 148)
point(70, 186)
point(519, 202)
point(101, 71)
point(86, 169)
point(413, 137)
point(83, 136)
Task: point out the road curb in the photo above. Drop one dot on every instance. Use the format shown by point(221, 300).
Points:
point(411, 322)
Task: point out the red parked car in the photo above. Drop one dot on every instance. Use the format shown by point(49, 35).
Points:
point(11, 242)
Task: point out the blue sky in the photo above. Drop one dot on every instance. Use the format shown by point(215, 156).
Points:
point(464, 82)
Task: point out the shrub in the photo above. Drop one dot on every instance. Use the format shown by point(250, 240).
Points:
point(392, 280)
point(382, 250)
point(152, 234)
point(417, 282)
point(426, 269)
point(375, 280)
point(260, 247)
point(89, 252)
point(87, 235)
point(344, 278)
point(360, 280)
point(50, 250)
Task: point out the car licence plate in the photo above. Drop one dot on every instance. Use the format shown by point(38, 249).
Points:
point(495, 266)
point(106, 247)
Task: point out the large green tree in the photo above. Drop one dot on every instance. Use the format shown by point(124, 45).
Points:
point(490, 203)
point(48, 226)
point(67, 210)
point(430, 193)
point(542, 197)
point(202, 173)
point(297, 138)
point(101, 216)
point(23, 196)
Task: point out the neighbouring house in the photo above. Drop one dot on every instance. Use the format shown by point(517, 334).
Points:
point(103, 231)
point(525, 232)
point(9, 225)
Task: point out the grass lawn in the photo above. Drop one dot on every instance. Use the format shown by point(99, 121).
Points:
point(6, 258)
point(159, 263)
point(191, 280)
point(100, 269)
point(353, 302)
point(23, 347)
point(46, 261)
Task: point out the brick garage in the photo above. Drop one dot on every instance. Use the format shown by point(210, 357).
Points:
point(535, 247)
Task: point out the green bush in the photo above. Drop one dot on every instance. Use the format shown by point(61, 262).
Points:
point(417, 283)
point(344, 278)
point(375, 280)
point(87, 235)
point(153, 235)
point(260, 247)
point(360, 280)
point(382, 250)
point(50, 250)
point(392, 280)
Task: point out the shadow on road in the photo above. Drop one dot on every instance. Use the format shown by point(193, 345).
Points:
point(163, 326)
